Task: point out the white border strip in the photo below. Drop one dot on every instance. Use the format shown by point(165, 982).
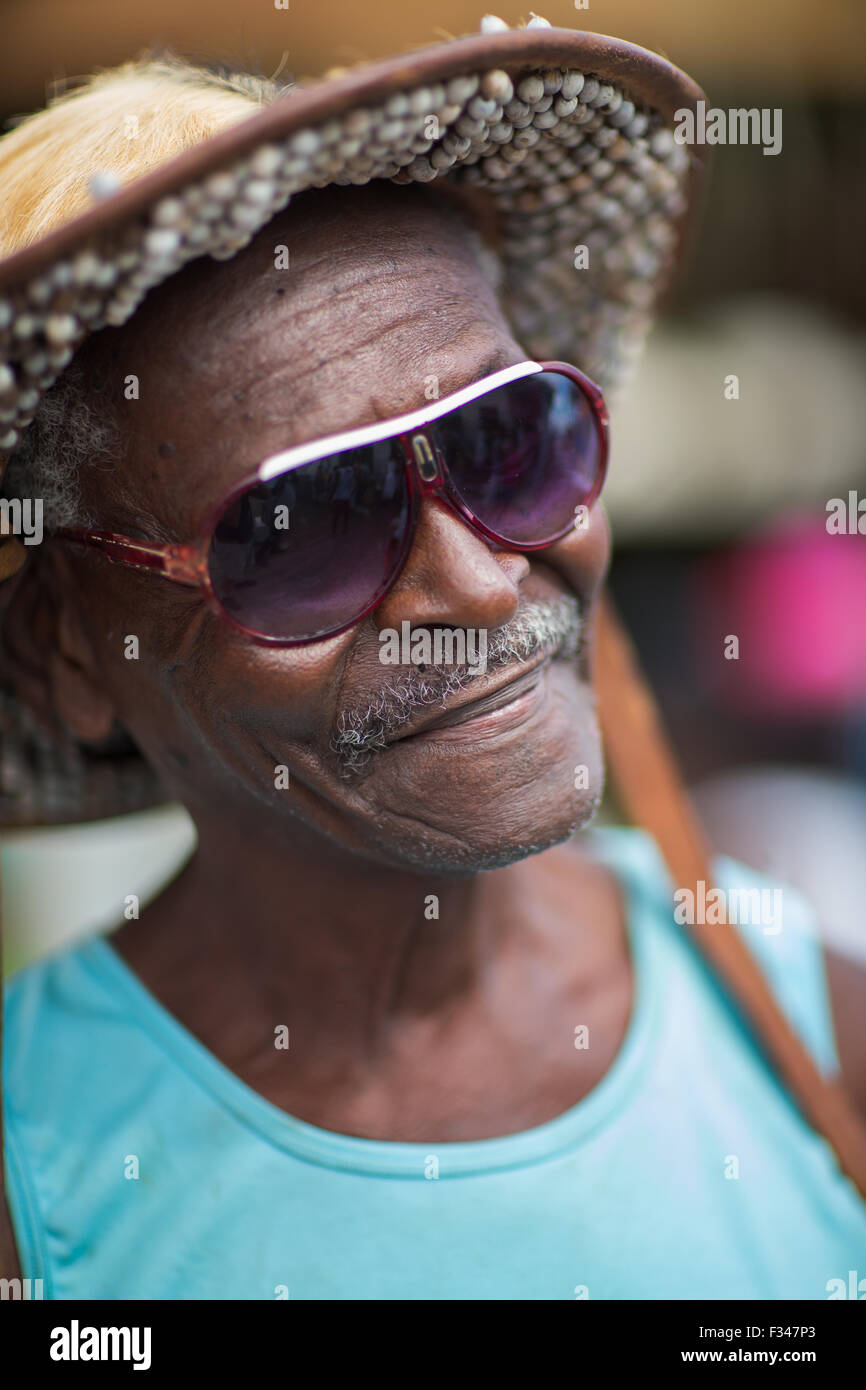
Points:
point(401, 424)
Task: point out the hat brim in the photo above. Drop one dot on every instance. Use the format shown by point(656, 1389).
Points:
point(627, 203)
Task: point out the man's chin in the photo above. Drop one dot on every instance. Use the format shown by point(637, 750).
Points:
point(481, 794)
point(463, 850)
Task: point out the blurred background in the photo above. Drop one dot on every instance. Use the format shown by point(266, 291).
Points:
point(719, 506)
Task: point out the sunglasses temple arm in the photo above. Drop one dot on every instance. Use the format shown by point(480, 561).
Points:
point(182, 564)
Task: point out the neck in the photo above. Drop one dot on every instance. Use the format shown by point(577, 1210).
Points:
point(387, 1006)
point(326, 932)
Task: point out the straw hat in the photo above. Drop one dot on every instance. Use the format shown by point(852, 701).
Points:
point(561, 139)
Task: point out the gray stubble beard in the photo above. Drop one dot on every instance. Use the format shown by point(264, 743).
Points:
point(553, 628)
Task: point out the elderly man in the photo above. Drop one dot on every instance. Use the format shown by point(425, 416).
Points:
point(391, 1031)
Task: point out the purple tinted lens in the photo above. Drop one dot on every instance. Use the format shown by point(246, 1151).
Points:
point(523, 457)
point(308, 552)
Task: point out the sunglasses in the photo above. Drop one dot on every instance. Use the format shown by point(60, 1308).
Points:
point(313, 541)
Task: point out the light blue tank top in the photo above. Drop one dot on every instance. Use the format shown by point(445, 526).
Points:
point(140, 1167)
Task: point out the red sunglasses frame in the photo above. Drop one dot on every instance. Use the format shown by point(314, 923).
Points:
point(187, 563)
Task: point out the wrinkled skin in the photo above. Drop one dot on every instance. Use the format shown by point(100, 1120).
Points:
point(305, 906)
point(227, 376)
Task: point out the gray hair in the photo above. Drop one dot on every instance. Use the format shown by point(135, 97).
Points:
point(75, 426)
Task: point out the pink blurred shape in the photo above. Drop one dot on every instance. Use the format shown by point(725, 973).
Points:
point(795, 596)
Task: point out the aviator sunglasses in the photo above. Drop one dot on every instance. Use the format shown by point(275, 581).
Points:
point(315, 538)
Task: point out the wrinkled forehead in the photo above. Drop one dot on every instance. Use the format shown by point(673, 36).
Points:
point(322, 254)
point(337, 314)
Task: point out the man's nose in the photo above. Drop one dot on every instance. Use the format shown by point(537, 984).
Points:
point(453, 577)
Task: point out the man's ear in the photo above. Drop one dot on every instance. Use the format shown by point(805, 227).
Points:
point(49, 654)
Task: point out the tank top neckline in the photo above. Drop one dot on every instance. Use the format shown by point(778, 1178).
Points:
point(591, 1114)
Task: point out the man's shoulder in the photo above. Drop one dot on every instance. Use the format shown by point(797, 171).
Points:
point(39, 979)
point(763, 906)
point(52, 1009)
point(775, 920)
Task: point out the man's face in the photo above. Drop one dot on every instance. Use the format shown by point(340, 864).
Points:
point(238, 360)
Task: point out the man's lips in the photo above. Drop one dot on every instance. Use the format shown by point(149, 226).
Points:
point(468, 706)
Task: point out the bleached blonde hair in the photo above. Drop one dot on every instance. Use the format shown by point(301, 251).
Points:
point(122, 122)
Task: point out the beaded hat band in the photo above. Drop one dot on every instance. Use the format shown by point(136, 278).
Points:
point(565, 138)
point(568, 133)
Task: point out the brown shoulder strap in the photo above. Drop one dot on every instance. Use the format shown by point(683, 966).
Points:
point(653, 796)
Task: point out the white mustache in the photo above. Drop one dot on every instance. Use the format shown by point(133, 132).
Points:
point(553, 627)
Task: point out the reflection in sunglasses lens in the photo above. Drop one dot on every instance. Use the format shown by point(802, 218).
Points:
point(308, 551)
point(523, 457)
